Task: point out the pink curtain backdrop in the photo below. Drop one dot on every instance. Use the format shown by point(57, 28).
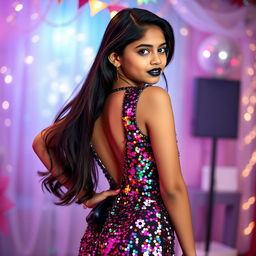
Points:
point(44, 57)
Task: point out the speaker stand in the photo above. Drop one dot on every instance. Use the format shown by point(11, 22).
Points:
point(211, 196)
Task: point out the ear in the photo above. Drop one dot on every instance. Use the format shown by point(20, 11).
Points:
point(114, 59)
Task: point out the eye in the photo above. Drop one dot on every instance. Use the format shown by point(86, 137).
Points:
point(162, 50)
point(143, 51)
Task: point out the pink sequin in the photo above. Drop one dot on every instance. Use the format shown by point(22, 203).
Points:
point(138, 222)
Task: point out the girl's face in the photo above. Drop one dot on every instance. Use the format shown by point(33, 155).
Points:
point(143, 60)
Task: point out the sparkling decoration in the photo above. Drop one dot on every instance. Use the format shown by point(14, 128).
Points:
point(219, 55)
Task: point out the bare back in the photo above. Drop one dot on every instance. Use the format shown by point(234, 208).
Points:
point(108, 137)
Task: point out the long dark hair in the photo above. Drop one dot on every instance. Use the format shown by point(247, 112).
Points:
point(68, 139)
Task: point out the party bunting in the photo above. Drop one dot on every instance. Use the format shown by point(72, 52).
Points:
point(96, 6)
point(140, 2)
point(115, 8)
point(81, 3)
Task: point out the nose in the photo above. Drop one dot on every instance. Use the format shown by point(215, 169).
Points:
point(155, 59)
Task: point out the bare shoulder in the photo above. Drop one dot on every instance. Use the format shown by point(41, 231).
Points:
point(155, 99)
point(155, 93)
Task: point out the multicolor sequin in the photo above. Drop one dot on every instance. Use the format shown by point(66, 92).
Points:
point(138, 222)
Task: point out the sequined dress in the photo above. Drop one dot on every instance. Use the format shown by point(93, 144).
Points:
point(138, 222)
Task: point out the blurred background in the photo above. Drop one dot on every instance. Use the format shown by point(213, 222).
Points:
point(46, 49)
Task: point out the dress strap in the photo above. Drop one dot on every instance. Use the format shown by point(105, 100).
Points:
point(129, 112)
point(122, 88)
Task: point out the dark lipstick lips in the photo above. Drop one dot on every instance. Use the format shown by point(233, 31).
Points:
point(155, 72)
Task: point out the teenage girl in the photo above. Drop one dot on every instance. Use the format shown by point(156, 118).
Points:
point(126, 125)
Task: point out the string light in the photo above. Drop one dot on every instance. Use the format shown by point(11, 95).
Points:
point(7, 122)
point(10, 18)
point(247, 170)
point(206, 54)
point(18, 7)
point(249, 228)
point(5, 105)
point(250, 71)
point(251, 136)
point(29, 59)
point(249, 203)
point(35, 38)
point(245, 100)
point(253, 99)
point(3, 69)
point(247, 117)
point(250, 109)
point(252, 47)
point(184, 31)
point(223, 55)
point(8, 79)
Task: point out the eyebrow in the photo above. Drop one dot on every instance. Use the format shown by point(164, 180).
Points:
point(149, 45)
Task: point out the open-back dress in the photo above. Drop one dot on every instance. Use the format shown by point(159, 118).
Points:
point(138, 222)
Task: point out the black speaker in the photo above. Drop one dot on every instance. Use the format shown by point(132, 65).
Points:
point(215, 108)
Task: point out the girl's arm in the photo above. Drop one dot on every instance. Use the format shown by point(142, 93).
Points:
point(40, 149)
point(160, 123)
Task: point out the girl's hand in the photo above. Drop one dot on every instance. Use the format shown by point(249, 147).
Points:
point(98, 197)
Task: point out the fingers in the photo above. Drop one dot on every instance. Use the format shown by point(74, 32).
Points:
point(111, 192)
point(98, 197)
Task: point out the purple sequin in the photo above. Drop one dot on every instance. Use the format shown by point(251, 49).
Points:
point(138, 222)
